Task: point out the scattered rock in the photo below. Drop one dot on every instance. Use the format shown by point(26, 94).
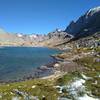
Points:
point(56, 65)
point(43, 68)
point(15, 98)
point(33, 86)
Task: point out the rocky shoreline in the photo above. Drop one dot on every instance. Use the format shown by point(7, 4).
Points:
point(49, 71)
point(39, 72)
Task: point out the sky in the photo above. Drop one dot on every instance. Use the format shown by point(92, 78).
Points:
point(41, 16)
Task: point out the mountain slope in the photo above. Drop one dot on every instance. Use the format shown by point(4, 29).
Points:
point(87, 24)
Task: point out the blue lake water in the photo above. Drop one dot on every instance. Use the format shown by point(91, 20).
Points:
point(16, 62)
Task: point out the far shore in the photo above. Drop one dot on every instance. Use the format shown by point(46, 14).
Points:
point(30, 46)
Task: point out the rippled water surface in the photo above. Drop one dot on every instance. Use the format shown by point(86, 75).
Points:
point(16, 62)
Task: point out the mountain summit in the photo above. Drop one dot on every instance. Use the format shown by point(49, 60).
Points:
point(87, 24)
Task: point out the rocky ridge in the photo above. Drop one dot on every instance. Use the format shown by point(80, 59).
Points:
point(87, 24)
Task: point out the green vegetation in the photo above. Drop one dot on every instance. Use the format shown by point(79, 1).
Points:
point(46, 87)
point(37, 87)
point(68, 78)
point(92, 71)
point(93, 85)
point(31, 87)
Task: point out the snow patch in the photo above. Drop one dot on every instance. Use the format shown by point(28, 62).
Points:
point(86, 97)
point(15, 98)
point(85, 77)
point(76, 84)
point(93, 10)
point(19, 35)
point(76, 87)
point(76, 90)
point(33, 36)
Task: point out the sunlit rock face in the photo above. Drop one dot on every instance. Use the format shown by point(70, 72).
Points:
point(87, 23)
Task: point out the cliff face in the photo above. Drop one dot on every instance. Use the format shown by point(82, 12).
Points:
point(86, 24)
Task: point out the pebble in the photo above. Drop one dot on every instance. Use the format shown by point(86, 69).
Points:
point(33, 86)
point(0, 96)
point(56, 65)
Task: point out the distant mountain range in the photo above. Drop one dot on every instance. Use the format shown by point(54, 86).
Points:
point(87, 24)
point(19, 39)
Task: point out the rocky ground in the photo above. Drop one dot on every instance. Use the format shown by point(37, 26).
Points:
point(77, 77)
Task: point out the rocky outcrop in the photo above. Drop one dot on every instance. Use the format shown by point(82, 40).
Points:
point(92, 41)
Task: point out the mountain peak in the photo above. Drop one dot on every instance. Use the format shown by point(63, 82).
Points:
point(87, 24)
point(93, 10)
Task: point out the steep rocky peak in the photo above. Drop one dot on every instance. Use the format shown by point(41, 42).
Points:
point(93, 11)
point(87, 24)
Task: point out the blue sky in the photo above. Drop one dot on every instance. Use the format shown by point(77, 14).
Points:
point(41, 16)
